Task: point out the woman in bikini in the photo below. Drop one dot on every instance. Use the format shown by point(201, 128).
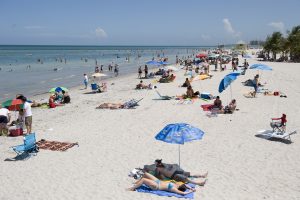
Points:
point(156, 184)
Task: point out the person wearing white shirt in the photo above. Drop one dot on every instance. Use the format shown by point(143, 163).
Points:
point(4, 119)
point(27, 114)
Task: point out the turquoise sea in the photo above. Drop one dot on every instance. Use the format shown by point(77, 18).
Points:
point(29, 69)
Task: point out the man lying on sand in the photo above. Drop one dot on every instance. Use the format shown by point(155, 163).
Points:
point(174, 172)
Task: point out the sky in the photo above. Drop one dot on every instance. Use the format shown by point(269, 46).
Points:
point(143, 22)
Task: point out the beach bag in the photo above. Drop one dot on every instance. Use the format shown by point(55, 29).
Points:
point(276, 93)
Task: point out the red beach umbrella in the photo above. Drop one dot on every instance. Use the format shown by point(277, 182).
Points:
point(13, 104)
point(201, 55)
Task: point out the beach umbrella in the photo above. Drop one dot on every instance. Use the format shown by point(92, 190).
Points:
point(58, 89)
point(171, 67)
point(98, 75)
point(227, 80)
point(153, 62)
point(247, 56)
point(179, 133)
point(13, 104)
point(201, 55)
point(261, 67)
point(163, 63)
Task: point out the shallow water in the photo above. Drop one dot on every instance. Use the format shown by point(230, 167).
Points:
point(29, 69)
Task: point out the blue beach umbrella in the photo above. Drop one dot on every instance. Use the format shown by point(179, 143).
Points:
point(179, 133)
point(247, 56)
point(153, 62)
point(261, 67)
point(227, 80)
point(163, 63)
point(58, 89)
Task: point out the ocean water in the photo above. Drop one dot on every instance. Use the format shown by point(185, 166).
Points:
point(29, 69)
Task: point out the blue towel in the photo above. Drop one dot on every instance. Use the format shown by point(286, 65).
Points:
point(146, 189)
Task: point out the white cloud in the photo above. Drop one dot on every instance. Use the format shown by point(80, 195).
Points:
point(277, 25)
point(205, 37)
point(100, 33)
point(229, 29)
point(34, 27)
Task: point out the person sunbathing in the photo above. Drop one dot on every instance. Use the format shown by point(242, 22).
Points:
point(218, 103)
point(110, 106)
point(156, 184)
point(167, 79)
point(230, 108)
point(186, 83)
point(141, 85)
point(190, 93)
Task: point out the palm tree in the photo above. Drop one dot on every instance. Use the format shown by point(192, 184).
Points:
point(293, 40)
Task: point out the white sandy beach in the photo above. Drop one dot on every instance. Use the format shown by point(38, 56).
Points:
point(113, 142)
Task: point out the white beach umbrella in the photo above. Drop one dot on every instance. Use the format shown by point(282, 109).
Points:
point(171, 67)
point(98, 75)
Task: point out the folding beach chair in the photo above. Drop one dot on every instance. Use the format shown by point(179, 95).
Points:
point(163, 97)
point(95, 87)
point(29, 145)
point(278, 124)
point(132, 103)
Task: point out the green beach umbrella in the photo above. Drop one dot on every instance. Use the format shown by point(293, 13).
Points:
point(58, 89)
point(13, 104)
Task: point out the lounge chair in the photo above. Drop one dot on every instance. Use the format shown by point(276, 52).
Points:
point(269, 134)
point(163, 97)
point(29, 145)
point(132, 103)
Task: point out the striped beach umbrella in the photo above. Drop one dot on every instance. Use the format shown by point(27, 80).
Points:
point(13, 104)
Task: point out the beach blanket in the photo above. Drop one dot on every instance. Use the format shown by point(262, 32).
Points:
point(54, 145)
point(207, 107)
point(146, 189)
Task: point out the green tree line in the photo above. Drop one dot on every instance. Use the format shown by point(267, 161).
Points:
point(288, 47)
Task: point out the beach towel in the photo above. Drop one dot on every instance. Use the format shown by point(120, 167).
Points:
point(146, 189)
point(54, 145)
point(207, 107)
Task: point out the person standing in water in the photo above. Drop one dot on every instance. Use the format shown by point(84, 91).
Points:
point(86, 80)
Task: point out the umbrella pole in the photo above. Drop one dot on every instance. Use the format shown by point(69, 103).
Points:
point(230, 93)
point(179, 154)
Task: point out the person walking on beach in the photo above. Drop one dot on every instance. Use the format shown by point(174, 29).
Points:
point(146, 71)
point(140, 72)
point(116, 70)
point(27, 114)
point(86, 80)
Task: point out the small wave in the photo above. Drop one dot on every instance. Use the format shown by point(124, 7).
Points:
point(71, 76)
point(43, 82)
point(56, 79)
